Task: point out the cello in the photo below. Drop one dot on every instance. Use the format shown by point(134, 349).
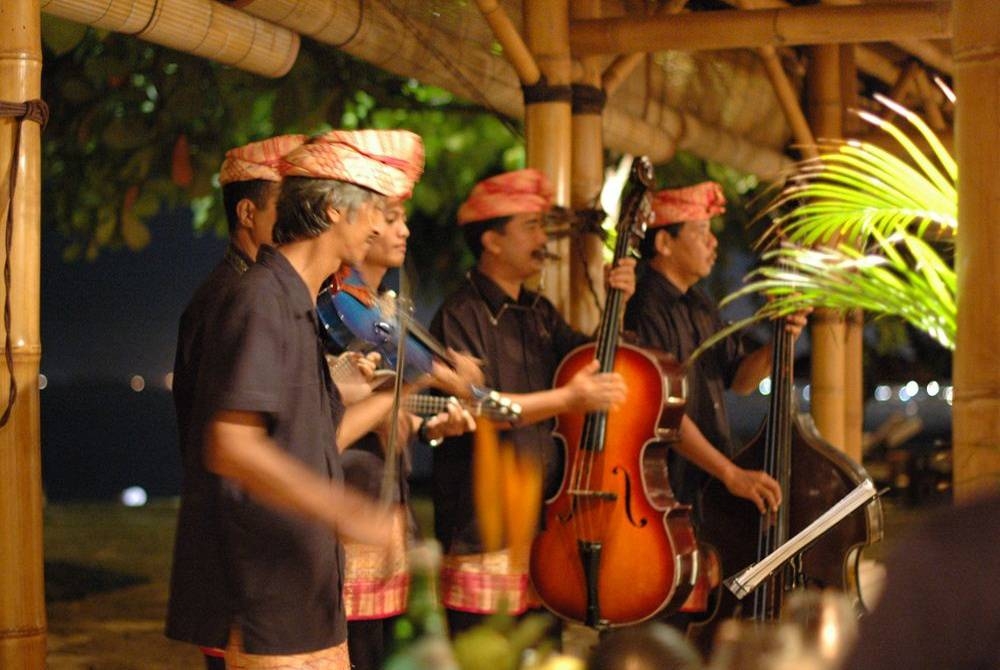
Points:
point(614, 509)
point(814, 477)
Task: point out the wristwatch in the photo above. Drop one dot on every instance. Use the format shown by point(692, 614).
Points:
point(422, 434)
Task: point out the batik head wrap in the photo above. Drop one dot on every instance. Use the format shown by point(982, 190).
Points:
point(520, 192)
point(388, 162)
point(258, 160)
point(692, 203)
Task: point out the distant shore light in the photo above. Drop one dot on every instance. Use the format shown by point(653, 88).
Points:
point(137, 383)
point(933, 388)
point(134, 496)
point(168, 381)
point(882, 393)
point(765, 386)
point(43, 381)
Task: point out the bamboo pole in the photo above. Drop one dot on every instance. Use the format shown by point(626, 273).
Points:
point(548, 126)
point(819, 24)
point(200, 27)
point(827, 326)
point(586, 258)
point(514, 47)
point(854, 321)
point(976, 398)
point(22, 583)
point(788, 97)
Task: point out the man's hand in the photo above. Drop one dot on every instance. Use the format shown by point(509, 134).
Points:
point(794, 323)
point(756, 486)
point(353, 373)
point(456, 420)
point(361, 520)
point(622, 277)
point(457, 381)
point(591, 390)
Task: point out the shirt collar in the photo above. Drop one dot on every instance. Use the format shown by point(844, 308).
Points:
point(290, 281)
point(494, 296)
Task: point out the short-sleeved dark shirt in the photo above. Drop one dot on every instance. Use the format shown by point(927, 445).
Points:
point(237, 561)
point(665, 318)
point(521, 343)
point(201, 311)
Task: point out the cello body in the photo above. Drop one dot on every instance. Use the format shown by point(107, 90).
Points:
point(622, 549)
point(616, 548)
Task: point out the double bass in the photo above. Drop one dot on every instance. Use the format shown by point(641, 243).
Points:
point(616, 548)
point(814, 477)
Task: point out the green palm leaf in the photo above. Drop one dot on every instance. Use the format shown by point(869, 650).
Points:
point(891, 211)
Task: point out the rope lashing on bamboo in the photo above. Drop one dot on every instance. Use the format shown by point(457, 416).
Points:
point(31, 110)
point(543, 92)
point(588, 99)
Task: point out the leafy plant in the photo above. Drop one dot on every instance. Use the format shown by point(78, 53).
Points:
point(137, 128)
point(861, 228)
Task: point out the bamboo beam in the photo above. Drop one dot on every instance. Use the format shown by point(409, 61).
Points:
point(22, 582)
point(826, 325)
point(776, 27)
point(199, 27)
point(514, 47)
point(976, 398)
point(622, 66)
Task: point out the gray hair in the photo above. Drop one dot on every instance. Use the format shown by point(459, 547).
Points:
point(303, 203)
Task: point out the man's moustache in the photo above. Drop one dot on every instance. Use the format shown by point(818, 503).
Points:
point(544, 254)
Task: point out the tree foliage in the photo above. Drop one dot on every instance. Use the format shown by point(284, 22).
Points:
point(138, 128)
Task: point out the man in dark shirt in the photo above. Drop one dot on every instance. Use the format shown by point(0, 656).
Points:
point(521, 339)
point(668, 312)
point(250, 183)
point(266, 418)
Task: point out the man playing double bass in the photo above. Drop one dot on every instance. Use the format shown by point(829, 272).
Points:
point(669, 312)
point(521, 339)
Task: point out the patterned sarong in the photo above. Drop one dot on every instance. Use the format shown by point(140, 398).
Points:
point(333, 658)
point(376, 580)
point(485, 583)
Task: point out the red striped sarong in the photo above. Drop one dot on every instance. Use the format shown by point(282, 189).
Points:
point(486, 583)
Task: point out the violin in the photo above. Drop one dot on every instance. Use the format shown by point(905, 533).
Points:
point(350, 312)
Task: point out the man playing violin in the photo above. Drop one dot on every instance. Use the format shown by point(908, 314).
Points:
point(257, 565)
point(668, 312)
point(521, 339)
point(376, 582)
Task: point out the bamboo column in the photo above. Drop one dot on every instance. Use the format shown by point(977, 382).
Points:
point(827, 326)
point(854, 401)
point(976, 399)
point(548, 122)
point(586, 261)
point(22, 583)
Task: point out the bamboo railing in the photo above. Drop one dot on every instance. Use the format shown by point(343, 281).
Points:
point(199, 27)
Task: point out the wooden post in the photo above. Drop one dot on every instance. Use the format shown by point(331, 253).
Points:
point(586, 259)
point(854, 400)
point(976, 399)
point(548, 122)
point(22, 583)
point(827, 326)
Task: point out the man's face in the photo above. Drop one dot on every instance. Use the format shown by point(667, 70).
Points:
point(521, 245)
point(360, 229)
point(692, 253)
point(389, 248)
point(262, 225)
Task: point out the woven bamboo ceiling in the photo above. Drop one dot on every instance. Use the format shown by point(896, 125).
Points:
point(717, 104)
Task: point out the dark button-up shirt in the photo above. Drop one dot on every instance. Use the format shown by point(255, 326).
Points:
point(665, 318)
point(521, 343)
point(236, 561)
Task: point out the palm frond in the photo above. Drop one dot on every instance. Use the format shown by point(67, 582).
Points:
point(871, 213)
